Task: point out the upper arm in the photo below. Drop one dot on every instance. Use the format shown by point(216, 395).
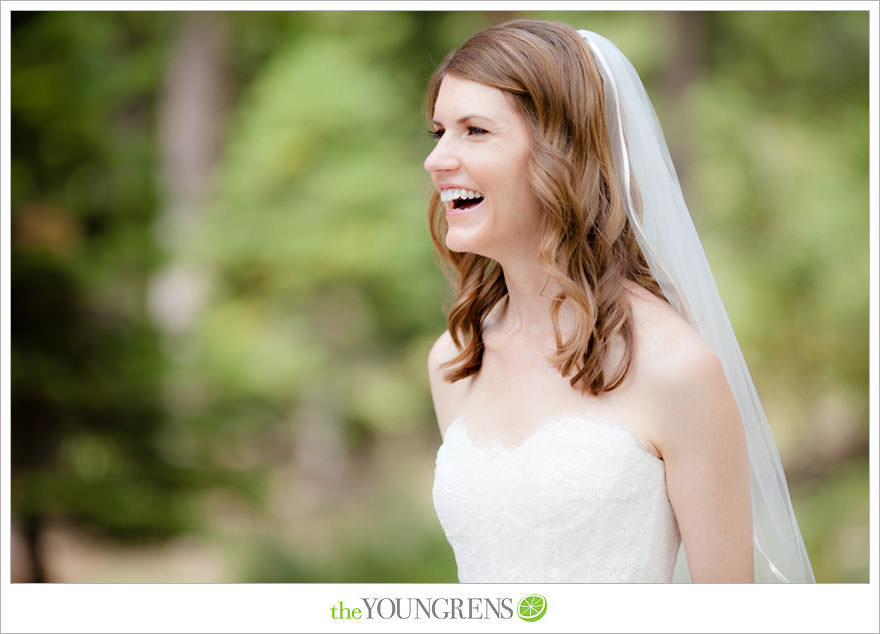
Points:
point(707, 469)
point(447, 396)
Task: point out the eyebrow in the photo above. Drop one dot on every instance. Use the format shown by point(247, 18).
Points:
point(464, 119)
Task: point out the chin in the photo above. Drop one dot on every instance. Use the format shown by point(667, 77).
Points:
point(463, 241)
point(454, 243)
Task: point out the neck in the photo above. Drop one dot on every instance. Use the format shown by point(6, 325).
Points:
point(530, 293)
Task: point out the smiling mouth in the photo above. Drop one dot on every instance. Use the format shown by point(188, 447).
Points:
point(466, 203)
point(461, 199)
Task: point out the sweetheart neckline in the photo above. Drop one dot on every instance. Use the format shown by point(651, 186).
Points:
point(498, 446)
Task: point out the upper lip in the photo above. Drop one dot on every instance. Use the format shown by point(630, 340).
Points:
point(445, 187)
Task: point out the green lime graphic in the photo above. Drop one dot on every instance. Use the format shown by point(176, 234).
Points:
point(532, 607)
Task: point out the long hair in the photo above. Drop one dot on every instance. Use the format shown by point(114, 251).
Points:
point(587, 244)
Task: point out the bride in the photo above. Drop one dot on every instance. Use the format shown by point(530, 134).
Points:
point(598, 420)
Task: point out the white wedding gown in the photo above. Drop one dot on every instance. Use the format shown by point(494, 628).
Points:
point(579, 500)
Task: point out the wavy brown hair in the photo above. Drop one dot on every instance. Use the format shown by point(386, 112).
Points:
point(587, 244)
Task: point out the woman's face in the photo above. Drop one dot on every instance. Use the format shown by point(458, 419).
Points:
point(480, 167)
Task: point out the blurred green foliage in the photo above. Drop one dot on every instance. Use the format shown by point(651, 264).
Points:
point(299, 387)
point(86, 365)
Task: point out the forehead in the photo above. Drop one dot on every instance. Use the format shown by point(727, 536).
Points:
point(459, 97)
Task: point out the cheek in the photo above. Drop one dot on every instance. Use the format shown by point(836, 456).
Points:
point(523, 163)
point(519, 180)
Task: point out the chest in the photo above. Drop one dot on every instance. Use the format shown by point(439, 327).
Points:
point(517, 389)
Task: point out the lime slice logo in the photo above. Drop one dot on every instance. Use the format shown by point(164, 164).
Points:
point(532, 607)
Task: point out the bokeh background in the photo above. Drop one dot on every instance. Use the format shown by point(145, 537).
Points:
point(223, 290)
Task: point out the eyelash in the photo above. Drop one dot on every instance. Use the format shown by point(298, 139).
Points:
point(436, 134)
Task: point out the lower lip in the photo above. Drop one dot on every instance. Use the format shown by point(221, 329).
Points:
point(463, 212)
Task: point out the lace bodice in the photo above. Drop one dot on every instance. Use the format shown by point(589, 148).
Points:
point(578, 501)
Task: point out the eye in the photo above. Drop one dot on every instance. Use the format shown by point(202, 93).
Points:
point(436, 134)
point(474, 130)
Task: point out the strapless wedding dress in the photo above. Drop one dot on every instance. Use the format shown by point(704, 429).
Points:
point(579, 500)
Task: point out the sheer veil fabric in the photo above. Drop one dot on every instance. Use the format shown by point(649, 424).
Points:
point(673, 250)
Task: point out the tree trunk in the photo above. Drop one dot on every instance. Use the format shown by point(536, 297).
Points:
point(33, 539)
point(191, 113)
point(687, 30)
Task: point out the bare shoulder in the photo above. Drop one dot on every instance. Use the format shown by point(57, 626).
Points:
point(684, 374)
point(668, 347)
point(447, 396)
point(443, 350)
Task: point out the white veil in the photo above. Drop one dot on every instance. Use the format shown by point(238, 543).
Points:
point(672, 249)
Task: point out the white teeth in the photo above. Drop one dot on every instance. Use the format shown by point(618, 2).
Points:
point(453, 194)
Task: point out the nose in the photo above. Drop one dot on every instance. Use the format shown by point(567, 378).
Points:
point(442, 158)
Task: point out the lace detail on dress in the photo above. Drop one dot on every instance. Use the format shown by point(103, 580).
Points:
point(578, 500)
